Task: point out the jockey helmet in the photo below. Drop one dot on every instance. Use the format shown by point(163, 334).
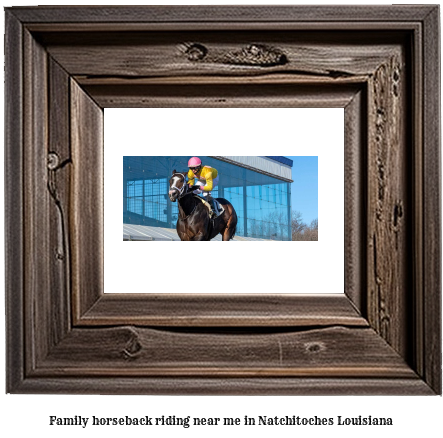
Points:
point(194, 162)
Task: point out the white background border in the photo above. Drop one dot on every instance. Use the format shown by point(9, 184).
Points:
point(253, 267)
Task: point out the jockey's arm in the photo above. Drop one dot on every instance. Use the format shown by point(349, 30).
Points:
point(208, 186)
point(191, 178)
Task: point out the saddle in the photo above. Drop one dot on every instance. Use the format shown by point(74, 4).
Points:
point(208, 206)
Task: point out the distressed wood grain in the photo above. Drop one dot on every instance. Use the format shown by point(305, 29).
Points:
point(226, 14)
point(37, 305)
point(64, 65)
point(430, 319)
point(160, 54)
point(239, 310)
point(237, 95)
point(128, 350)
point(14, 203)
point(86, 200)
point(174, 385)
point(388, 205)
point(355, 191)
point(59, 164)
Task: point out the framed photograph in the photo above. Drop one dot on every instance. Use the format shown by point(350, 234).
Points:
point(269, 194)
point(377, 332)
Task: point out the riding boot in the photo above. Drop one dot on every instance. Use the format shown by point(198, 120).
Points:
point(213, 206)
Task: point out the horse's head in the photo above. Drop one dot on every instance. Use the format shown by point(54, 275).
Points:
point(177, 185)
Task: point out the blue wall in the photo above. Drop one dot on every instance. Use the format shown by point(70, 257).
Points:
point(262, 202)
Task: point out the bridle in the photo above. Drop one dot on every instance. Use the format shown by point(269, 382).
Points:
point(182, 189)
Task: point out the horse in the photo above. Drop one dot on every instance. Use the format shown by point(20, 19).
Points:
point(194, 222)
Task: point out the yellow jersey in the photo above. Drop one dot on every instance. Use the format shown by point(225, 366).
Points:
point(205, 176)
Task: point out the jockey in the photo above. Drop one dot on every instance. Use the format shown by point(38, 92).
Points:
point(207, 180)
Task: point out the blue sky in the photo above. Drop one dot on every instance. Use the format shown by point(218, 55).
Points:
point(304, 190)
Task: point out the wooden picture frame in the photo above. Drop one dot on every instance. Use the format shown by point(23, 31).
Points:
point(379, 63)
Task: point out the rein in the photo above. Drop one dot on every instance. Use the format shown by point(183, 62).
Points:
point(182, 195)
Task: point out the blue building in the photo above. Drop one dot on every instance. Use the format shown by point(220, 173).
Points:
point(259, 188)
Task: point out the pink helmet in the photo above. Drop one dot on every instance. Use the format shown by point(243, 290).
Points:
point(194, 162)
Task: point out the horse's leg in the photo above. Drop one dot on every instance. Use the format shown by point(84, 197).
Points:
point(181, 231)
point(227, 234)
point(199, 237)
point(230, 228)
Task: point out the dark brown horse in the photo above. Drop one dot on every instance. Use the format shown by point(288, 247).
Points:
point(194, 222)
